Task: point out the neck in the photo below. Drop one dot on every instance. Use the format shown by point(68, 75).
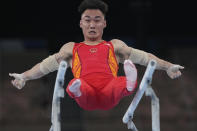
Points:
point(89, 42)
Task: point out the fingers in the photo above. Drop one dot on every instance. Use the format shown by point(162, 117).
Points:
point(18, 83)
point(12, 74)
point(176, 72)
point(175, 68)
point(15, 75)
point(181, 67)
point(176, 75)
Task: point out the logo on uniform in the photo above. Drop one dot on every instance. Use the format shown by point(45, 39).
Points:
point(93, 50)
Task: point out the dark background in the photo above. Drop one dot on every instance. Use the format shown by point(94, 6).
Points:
point(139, 19)
point(32, 30)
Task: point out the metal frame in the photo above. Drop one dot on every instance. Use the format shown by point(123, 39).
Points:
point(57, 95)
point(144, 86)
point(127, 118)
point(155, 108)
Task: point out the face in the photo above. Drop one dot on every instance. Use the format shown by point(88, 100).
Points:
point(92, 24)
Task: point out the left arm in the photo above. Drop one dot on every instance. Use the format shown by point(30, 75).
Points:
point(124, 52)
point(173, 70)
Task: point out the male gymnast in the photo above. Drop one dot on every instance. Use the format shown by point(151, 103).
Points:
point(94, 63)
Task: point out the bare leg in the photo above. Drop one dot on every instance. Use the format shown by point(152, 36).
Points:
point(131, 74)
point(75, 88)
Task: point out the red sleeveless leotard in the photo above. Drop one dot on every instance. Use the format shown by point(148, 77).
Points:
point(96, 67)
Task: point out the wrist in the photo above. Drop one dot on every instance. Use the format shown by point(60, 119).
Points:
point(164, 65)
point(24, 77)
point(168, 66)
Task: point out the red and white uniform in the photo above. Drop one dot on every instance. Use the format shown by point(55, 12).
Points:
point(96, 67)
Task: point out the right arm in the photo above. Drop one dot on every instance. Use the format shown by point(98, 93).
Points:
point(41, 69)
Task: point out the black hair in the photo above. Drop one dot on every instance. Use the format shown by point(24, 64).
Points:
point(93, 4)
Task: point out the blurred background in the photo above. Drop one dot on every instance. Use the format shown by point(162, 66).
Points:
point(32, 30)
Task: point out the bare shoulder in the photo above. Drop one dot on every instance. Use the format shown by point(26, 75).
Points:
point(67, 46)
point(121, 49)
point(118, 44)
point(65, 52)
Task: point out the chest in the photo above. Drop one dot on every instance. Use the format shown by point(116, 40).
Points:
point(100, 52)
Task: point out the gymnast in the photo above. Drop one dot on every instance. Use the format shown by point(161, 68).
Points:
point(94, 63)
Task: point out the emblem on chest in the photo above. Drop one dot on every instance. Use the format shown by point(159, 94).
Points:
point(93, 50)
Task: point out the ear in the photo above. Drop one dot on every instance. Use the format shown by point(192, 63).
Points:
point(105, 24)
point(80, 23)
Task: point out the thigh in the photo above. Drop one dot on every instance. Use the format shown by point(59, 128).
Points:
point(88, 98)
point(114, 91)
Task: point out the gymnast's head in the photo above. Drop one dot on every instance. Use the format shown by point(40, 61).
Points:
point(94, 5)
point(92, 23)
